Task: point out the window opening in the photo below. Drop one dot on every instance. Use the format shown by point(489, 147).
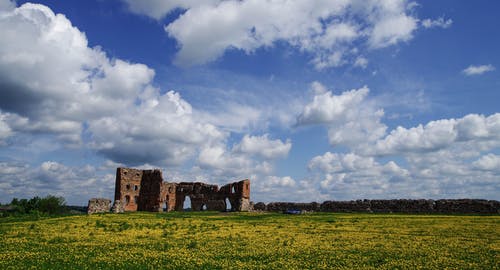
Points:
point(187, 204)
point(228, 205)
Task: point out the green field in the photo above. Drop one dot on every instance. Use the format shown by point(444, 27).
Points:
point(209, 240)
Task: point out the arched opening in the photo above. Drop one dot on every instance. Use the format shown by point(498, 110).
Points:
point(164, 205)
point(204, 207)
point(187, 204)
point(228, 205)
point(233, 190)
point(127, 200)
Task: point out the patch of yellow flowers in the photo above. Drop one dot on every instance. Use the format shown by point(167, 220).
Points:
point(211, 240)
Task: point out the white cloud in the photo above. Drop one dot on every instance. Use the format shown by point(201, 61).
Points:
point(439, 22)
point(393, 29)
point(477, 70)
point(7, 5)
point(432, 160)
point(324, 29)
point(263, 146)
point(77, 95)
point(347, 174)
point(224, 163)
point(327, 107)
point(489, 162)
point(253, 155)
point(158, 9)
point(440, 134)
point(5, 130)
point(275, 184)
point(77, 184)
point(235, 117)
point(68, 89)
point(351, 118)
point(361, 62)
point(161, 130)
point(285, 181)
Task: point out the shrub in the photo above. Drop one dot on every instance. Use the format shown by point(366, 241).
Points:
point(35, 206)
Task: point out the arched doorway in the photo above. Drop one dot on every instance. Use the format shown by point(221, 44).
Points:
point(228, 205)
point(164, 205)
point(187, 204)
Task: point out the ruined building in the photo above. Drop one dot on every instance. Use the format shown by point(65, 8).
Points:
point(145, 190)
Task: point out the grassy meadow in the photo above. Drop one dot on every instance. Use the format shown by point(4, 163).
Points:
point(211, 240)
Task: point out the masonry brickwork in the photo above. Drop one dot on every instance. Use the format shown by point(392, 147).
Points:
point(443, 206)
point(145, 190)
point(98, 205)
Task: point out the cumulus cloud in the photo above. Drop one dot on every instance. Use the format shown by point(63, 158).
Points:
point(439, 22)
point(451, 158)
point(353, 163)
point(326, 30)
point(5, 130)
point(327, 107)
point(361, 62)
point(444, 158)
point(77, 184)
point(477, 70)
point(353, 174)
point(77, 95)
point(263, 146)
point(253, 155)
point(158, 9)
point(275, 184)
point(392, 29)
point(63, 81)
point(440, 134)
point(68, 89)
point(489, 162)
point(350, 116)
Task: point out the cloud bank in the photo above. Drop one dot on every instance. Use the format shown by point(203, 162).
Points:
point(329, 31)
point(80, 98)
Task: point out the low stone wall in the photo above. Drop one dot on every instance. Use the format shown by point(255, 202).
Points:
point(467, 206)
point(284, 206)
point(459, 206)
point(98, 205)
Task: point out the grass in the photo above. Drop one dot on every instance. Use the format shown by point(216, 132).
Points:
point(210, 240)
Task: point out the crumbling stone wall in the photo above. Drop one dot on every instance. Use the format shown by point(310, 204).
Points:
point(238, 194)
point(167, 197)
point(127, 187)
point(150, 187)
point(460, 206)
point(117, 207)
point(144, 190)
point(98, 205)
point(284, 206)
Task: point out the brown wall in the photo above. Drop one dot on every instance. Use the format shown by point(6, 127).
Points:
point(144, 190)
point(127, 187)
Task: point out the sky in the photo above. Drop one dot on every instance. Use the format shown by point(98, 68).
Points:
point(311, 100)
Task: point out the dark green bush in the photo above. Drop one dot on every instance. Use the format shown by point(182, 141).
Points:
point(49, 205)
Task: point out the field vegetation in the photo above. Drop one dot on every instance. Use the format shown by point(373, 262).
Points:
point(211, 240)
point(35, 207)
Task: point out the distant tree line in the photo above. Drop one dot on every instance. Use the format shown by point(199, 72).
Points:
point(49, 205)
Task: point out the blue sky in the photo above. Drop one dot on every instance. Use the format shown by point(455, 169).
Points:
point(311, 100)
